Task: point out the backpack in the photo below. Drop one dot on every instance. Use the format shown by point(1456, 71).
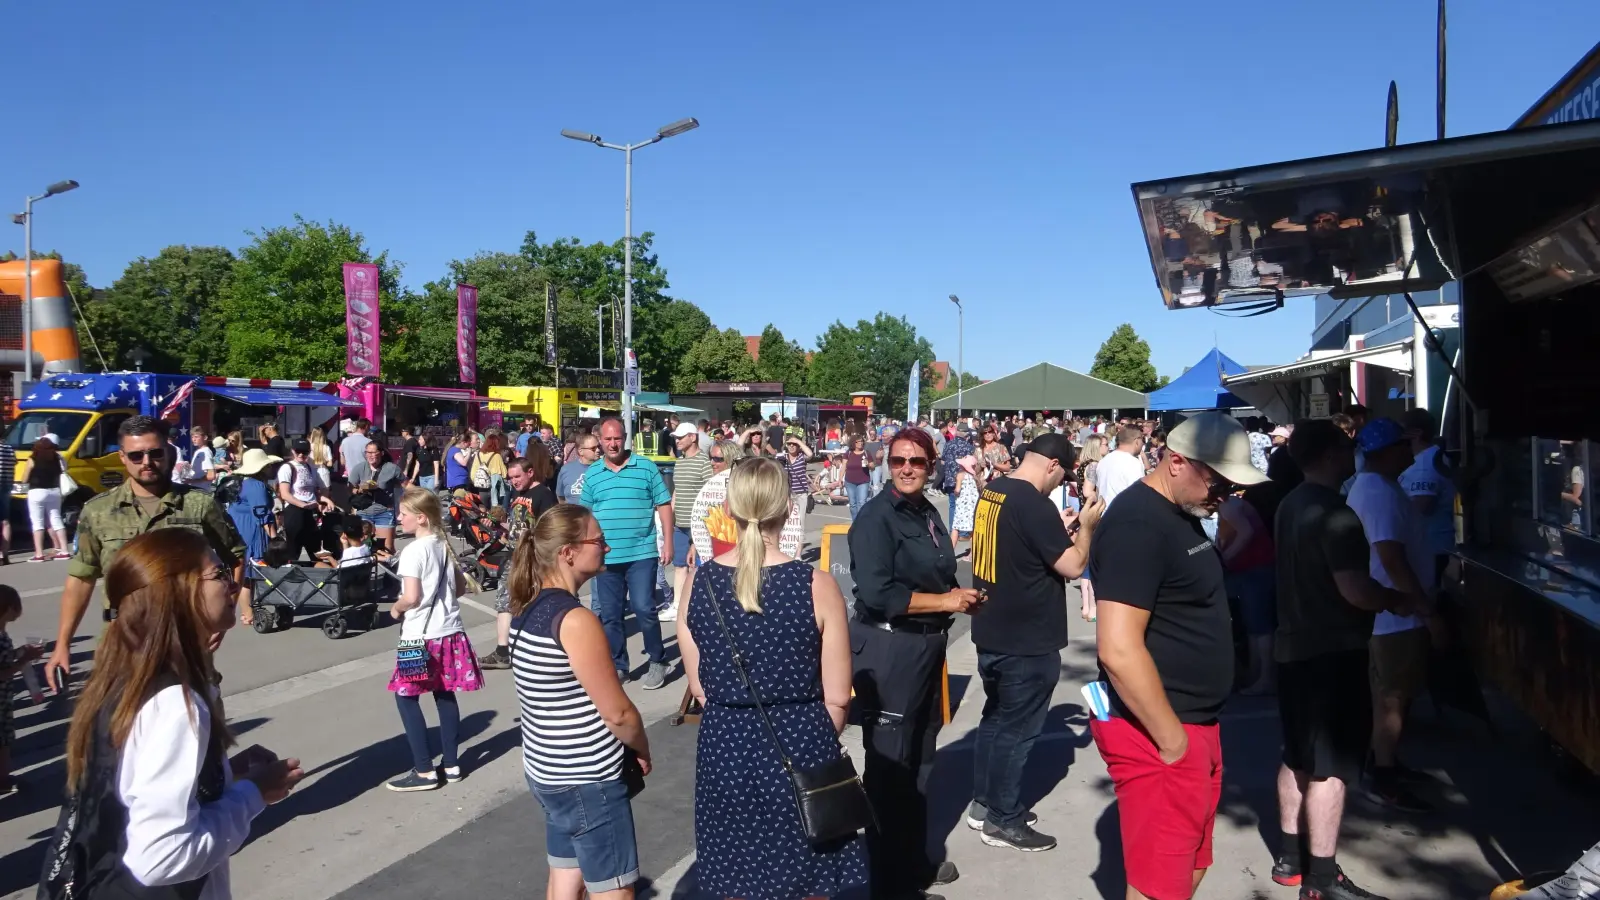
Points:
point(480, 473)
point(228, 489)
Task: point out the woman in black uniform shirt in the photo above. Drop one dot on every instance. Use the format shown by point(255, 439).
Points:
point(906, 598)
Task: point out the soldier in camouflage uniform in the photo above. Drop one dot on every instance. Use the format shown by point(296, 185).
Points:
point(147, 500)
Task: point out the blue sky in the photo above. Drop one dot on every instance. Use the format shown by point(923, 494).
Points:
point(853, 157)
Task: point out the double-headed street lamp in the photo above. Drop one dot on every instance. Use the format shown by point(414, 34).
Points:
point(673, 130)
point(961, 327)
point(25, 219)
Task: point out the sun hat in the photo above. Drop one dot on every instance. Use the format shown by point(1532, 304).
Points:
point(1378, 434)
point(219, 442)
point(254, 460)
point(1220, 442)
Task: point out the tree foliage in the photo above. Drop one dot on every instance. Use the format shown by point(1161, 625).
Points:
point(166, 306)
point(874, 355)
point(1124, 359)
point(284, 309)
point(716, 356)
point(952, 387)
point(780, 359)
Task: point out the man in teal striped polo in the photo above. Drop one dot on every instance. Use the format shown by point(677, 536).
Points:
point(631, 501)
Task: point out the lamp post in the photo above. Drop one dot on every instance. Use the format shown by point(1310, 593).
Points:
point(600, 316)
point(961, 326)
point(25, 219)
point(666, 131)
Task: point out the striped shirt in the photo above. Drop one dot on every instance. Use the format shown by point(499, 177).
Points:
point(564, 740)
point(8, 465)
point(798, 482)
point(624, 501)
point(689, 475)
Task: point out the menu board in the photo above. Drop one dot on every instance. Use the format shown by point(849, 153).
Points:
point(714, 531)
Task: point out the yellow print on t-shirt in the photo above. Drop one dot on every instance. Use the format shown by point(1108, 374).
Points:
point(984, 524)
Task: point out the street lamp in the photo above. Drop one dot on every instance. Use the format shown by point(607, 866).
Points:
point(666, 131)
point(961, 327)
point(25, 219)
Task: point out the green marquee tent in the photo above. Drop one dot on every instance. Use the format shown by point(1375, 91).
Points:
point(1046, 387)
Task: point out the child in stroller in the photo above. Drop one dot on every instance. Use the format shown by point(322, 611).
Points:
point(344, 592)
point(488, 544)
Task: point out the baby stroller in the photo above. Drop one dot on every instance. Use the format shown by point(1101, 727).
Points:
point(488, 548)
point(344, 596)
point(461, 507)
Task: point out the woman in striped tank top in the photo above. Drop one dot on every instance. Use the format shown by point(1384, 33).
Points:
point(579, 729)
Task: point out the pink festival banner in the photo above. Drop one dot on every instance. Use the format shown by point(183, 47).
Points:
point(361, 318)
point(467, 332)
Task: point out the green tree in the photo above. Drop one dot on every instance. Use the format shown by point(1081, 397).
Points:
point(593, 275)
point(284, 308)
point(871, 356)
point(1125, 359)
point(968, 382)
point(780, 359)
point(717, 356)
point(168, 306)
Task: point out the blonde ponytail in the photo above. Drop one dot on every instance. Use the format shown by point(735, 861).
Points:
point(758, 501)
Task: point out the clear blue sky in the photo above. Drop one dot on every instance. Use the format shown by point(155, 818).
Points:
point(853, 157)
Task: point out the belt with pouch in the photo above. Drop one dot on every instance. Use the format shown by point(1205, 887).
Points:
point(905, 627)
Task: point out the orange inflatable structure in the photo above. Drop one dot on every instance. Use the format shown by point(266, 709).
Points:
point(55, 334)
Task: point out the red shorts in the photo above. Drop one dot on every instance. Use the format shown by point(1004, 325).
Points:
point(1167, 811)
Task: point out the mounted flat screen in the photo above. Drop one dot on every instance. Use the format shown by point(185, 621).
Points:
point(1358, 224)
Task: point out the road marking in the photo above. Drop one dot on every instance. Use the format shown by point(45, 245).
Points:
point(667, 885)
point(40, 592)
point(468, 601)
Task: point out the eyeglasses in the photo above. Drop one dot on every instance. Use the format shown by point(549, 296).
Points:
point(592, 541)
point(915, 462)
point(223, 577)
point(1216, 485)
point(137, 456)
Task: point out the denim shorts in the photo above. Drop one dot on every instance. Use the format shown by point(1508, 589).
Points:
point(379, 516)
point(590, 827)
point(681, 542)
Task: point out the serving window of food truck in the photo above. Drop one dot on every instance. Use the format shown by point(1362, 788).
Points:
point(1514, 219)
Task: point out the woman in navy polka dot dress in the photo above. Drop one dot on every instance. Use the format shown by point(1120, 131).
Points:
point(791, 628)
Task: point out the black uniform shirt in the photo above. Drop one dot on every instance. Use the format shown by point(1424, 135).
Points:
point(900, 546)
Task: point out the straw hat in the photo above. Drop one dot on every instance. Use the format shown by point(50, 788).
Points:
point(254, 460)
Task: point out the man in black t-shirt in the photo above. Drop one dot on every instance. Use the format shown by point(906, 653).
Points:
point(1022, 554)
point(530, 497)
point(1166, 653)
point(775, 433)
point(1326, 602)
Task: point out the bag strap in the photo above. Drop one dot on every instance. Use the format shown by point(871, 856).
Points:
point(738, 666)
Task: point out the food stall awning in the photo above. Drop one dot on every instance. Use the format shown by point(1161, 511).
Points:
point(277, 396)
point(1374, 222)
point(669, 408)
point(447, 395)
point(1396, 356)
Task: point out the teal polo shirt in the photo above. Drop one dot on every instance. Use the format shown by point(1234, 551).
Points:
point(625, 501)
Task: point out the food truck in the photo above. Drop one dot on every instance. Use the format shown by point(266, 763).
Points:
point(84, 411)
point(1513, 220)
point(437, 412)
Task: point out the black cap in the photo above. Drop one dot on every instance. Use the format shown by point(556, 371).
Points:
point(1054, 446)
point(300, 445)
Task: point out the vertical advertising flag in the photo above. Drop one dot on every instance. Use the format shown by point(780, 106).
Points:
point(549, 325)
point(467, 332)
point(912, 392)
point(361, 318)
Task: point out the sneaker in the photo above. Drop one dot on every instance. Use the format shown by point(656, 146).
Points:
point(1396, 796)
point(656, 676)
point(414, 781)
point(624, 676)
point(1408, 775)
point(945, 874)
point(495, 659)
point(1342, 888)
point(668, 613)
point(452, 774)
point(977, 814)
point(1017, 837)
point(1580, 882)
point(1286, 872)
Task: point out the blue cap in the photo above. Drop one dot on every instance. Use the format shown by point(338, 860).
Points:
point(1378, 434)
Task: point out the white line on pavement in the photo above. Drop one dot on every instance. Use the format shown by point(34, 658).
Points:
point(667, 885)
point(40, 592)
point(468, 601)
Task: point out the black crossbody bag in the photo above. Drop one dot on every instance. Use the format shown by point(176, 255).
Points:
point(832, 802)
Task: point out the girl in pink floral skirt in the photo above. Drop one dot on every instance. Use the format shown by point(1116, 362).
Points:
point(434, 655)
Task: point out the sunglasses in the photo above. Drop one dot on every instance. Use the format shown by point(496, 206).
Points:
point(137, 456)
point(915, 462)
point(715, 458)
point(1216, 485)
point(224, 578)
point(594, 541)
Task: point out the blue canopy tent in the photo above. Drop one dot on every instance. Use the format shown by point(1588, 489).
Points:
point(1201, 386)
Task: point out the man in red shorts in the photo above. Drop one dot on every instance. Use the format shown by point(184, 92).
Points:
point(1166, 653)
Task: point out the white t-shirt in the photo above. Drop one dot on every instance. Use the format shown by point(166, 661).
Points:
point(359, 555)
point(1424, 479)
point(200, 464)
point(437, 614)
point(302, 481)
point(1386, 514)
point(1116, 473)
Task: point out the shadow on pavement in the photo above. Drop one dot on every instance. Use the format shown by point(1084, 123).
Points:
point(348, 777)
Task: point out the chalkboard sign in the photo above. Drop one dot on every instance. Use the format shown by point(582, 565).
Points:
point(835, 560)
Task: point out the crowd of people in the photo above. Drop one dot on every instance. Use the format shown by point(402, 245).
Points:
point(1324, 540)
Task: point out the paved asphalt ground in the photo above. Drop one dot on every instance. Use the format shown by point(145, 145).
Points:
point(1504, 804)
